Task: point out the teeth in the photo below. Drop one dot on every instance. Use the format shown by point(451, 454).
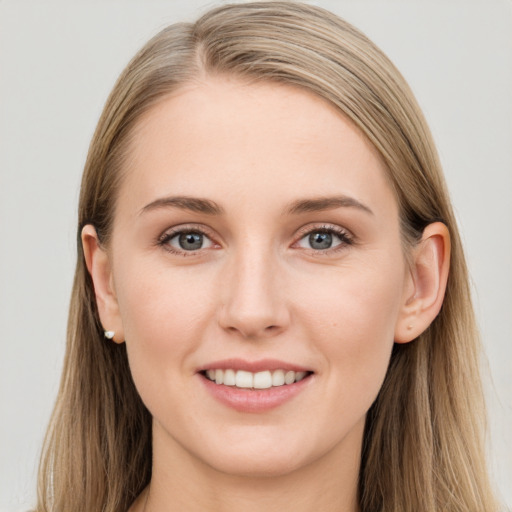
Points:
point(299, 376)
point(278, 378)
point(243, 379)
point(229, 378)
point(259, 380)
point(289, 377)
point(262, 380)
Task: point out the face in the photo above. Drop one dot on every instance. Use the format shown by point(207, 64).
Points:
point(259, 273)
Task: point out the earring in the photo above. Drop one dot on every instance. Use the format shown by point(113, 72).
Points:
point(109, 334)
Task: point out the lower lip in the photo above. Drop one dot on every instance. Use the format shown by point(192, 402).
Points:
point(254, 400)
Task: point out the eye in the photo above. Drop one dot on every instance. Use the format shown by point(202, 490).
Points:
point(185, 241)
point(324, 239)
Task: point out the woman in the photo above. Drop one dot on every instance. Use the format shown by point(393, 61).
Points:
point(270, 307)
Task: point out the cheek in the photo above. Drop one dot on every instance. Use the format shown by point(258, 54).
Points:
point(357, 299)
point(163, 321)
point(352, 321)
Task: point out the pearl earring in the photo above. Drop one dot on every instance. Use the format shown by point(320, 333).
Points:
point(109, 334)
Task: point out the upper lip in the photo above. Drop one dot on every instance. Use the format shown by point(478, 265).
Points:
point(253, 366)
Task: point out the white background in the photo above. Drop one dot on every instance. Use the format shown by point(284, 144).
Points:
point(58, 62)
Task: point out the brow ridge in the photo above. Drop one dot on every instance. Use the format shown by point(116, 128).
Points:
point(209, 207)
point(194, 204)
point(326, 203)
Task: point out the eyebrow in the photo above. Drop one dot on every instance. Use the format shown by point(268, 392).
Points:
point(209, 207)
point(193, 204)
point(326, 203)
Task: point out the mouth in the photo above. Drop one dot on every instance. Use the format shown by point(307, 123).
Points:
point(265, 379)
point(254, 387)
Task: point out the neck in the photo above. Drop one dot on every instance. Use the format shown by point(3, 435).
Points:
point(181, 482)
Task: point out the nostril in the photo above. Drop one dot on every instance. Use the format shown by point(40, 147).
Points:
point(254, 333)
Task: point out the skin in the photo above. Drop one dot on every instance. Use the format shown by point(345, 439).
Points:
point(258, 289)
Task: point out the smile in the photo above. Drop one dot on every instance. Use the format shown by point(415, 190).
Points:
point(255, 386)
point(259, 380)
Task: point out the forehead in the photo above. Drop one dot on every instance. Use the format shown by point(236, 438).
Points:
point(228, 140)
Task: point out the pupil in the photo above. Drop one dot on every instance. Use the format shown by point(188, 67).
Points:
point(191, 241)
point(320, 240)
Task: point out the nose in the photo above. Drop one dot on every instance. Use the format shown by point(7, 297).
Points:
point(254, 304)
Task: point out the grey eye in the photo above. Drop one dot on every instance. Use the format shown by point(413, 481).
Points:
point(320, 240)
point(190, 241)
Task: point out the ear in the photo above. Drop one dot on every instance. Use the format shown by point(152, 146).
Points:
point(98, 265)
point(426, 283)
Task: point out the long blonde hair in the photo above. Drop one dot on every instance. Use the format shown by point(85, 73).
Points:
point(423, 442)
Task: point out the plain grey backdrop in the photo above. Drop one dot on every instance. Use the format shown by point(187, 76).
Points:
point(58, 62)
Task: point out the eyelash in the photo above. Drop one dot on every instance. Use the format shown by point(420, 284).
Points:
point(346, 239)
point(165, 238)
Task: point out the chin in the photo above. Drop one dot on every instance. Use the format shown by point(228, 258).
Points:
point(265, 466)
point(262, 454)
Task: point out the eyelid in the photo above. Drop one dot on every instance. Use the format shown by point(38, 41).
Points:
point(322, 226)
point(346, 237)
point(170, 233)
point(183, 228)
